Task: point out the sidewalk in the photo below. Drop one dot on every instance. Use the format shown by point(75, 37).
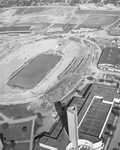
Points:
point(116, 137)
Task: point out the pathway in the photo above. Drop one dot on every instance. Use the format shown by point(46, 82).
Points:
point(116, 137)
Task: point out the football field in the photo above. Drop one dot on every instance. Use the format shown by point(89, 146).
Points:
point(32, 73)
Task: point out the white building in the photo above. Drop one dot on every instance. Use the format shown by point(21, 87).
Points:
point(82, 30)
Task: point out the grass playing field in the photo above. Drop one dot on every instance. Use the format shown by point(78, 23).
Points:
point(99, 20)
point(30, 75)
point(19, 11)
point(103, 12)
point(34, 10)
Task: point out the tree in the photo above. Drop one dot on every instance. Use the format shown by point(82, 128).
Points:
point(39, 116)
point(111, 127)
point(119, 144)
point(90, 78)
point(24, 129)
point(115, 112)
point(12, 143)
point(115, 149)
point(101, 80)
point(39, 119)
point(111, 81)
point(5, 125)
point(116, 108)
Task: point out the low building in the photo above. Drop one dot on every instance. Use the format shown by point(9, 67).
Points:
point(83, 30)
point(110, 59)
point(93, 113)
point(16, 30)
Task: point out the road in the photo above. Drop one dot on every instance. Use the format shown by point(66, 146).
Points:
point(116, 137)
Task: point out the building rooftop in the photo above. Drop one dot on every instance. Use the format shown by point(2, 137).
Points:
point(92, 123)
point(94, 120)
point(92, 113)
point(16, 132)
point(110, 56)
point(15, 29)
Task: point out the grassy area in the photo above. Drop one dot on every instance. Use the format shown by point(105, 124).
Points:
point(16, 111)
point(22, 146)
point(34, 10)
point(20, 11)
point(16, 132)
point(107, 92)
point(80, 11)
point(33, 72)
point(114, 32)
point(99, 20)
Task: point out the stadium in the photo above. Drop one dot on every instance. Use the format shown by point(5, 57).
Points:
point(40, 66)
point(110, 59)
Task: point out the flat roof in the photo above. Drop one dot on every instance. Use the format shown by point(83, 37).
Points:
point(93, 122)
point(93, 139)
point(110, 56)
point(15, 29)
point(105, 91)
point(91, 125)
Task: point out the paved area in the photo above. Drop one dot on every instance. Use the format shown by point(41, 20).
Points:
point(115, 139)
